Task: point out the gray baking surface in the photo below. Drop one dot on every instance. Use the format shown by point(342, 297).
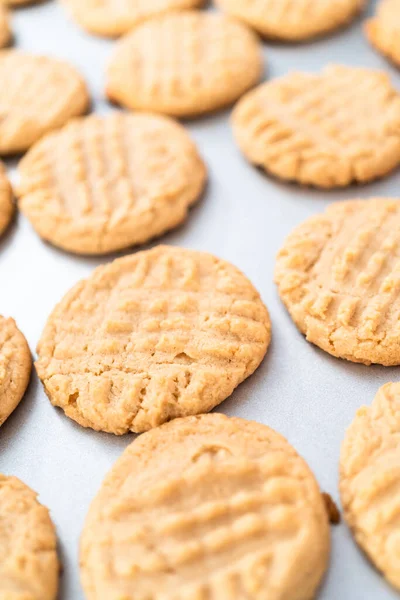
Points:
point(299, 390)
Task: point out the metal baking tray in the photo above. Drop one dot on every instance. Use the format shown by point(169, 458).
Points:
point(299, 390)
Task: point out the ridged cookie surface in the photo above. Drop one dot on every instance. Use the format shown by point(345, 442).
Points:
point(206, 507)
point(105, 183)
point(293, 20)
point(37, 94)
point(338, 274)
point(15, 368)
point(370, 480)
point(113, 17)
point(383, 30)
point(328, 129)
point(184, 64)
point(160, 334)
point(6, 200)
point(28, 559)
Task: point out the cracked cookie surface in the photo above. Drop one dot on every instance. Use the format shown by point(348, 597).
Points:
point(338, 274)
point(102, 184)
point(28, 559)
point(328, 129)
point(113, 18)
point(37, 94)
point(383, 30)
point(370, 480)
point(160, 334)
point(293, 20)
point(184, 64)
point(206, 507)
point(15, 367)
point(6, 200)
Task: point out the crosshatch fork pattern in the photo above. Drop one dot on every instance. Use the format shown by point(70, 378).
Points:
point(164, 333)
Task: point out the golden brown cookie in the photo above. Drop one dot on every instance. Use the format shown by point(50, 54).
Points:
point(338, 274)
point(15, 368)
point(5, 30)
point(113, 18)
point(105, 183)
point(6, 200)
point(206, 507)
point(37, 94)
point(370, 480)
point(184, 64)
point(383, 30)
point(160, 334)
point(293, 20)
point(28, 557)
point(328, 129)
point(20, 2)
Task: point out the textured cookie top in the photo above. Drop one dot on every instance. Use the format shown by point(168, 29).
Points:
point(160, 334)
point(293, 20)
point(206, 507)
point(37, 94)
point(383, 29)
point(326, 129)
point(5, 31)
point(15, 368)
point(6, 200)
point(105, 183)
point(184, 64)
point(28, 559)
point(113, 17)
point(370, 480)
point(339, 275)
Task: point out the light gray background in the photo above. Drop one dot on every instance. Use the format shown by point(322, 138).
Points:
point(305, 394)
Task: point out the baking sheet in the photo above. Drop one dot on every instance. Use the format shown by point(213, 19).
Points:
point(299, 390)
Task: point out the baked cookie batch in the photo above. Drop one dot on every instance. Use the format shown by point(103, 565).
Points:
point(201, 505)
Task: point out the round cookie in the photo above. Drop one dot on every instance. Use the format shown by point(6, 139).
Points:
point(160, 334)
point(105, 183)
point(113, 18)
point(327, 130)
point(293, 20)
point(370, 480)
point(37, 94)
point(383, 30)
point(206, 507)
point(338, 274)
point(184, 64)
point(5, 31)
point(28, 558)
point(6, 200)
point(15, 367)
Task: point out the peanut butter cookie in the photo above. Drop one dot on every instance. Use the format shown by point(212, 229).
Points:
point(328, 129)
point(105, 183)
point(6, 200)
point(160, 334)
point(206, 507)
point(383, 30)
point(184, 64)
point(5, 30)
point(370, 480)
point(339, 276)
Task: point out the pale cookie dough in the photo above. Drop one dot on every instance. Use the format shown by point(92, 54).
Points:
point(293, 20)
point(28, 558)
point(370, 480)
point(6, 200)
point(338, 274)
point(37, 94)
point(159, 334)
point(206, 507)
point(15, 368)
point(5, 30)
point(113, 17)
point(383, 30)
point(328, 129)
point(105, 183)
point(184, 64)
